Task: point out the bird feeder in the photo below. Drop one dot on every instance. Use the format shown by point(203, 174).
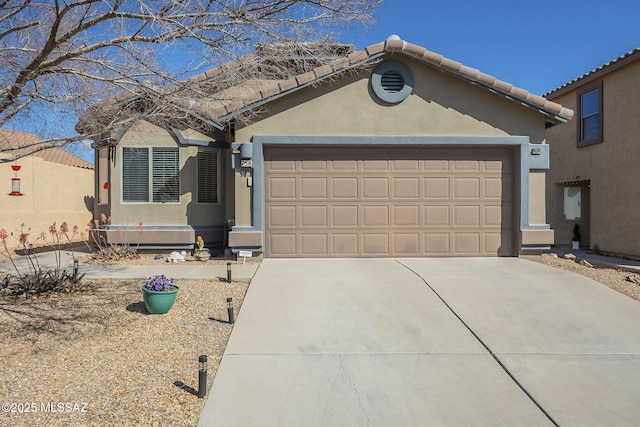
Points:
point(15, 182)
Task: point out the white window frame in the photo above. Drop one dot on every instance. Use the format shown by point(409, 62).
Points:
point(150, 175)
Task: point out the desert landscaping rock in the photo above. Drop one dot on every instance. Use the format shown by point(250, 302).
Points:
point(633, 278)
point(611, 277)
point(585, 263)
point(101, 350)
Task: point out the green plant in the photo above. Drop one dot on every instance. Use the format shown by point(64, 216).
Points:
point(576, 233)
point(37, 280)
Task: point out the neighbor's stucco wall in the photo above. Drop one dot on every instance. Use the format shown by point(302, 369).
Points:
point(187, 211)
point(52, 192)
point(439, 105)
point(612, 166)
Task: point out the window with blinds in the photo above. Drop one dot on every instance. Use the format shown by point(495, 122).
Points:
point(157, 175)
point(165, 170)
point(207, 175)
point(135, 174)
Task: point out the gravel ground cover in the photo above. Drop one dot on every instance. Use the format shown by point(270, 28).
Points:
point(96, 358)
point(613, 278)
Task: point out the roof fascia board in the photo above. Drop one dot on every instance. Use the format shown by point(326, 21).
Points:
point(184, 140)
point(596, 74)
point(554, 117)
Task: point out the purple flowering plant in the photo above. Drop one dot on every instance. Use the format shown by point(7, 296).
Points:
point(160, 283)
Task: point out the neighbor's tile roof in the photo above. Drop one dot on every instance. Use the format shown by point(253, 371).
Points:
point(597, 73)
point(55, 154)
point(249, 94)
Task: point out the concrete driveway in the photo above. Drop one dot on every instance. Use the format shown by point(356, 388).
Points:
point(428, 342)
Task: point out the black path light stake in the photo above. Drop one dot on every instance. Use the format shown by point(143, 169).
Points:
point(76, 265)
point(202, 376)
point(228, 272)
point(230, 310)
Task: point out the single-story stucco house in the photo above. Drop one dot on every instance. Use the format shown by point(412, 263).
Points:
point(392, 150)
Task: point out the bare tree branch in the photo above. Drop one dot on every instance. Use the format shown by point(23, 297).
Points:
point(59, 57)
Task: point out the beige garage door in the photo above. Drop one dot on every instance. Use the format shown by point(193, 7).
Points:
point(400, 202)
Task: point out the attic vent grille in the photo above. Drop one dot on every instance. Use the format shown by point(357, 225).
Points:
point(392, 81)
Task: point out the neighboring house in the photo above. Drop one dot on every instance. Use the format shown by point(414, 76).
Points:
point(55, 186)
point(593, 181)
point(389, 151)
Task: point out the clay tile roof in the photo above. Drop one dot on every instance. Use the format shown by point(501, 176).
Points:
point(349, 59)
point(556, 112)
point(55, 154)
point(222, 103)
point(610, 66)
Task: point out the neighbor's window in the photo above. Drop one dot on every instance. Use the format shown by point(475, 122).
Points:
point(572, 203)
point(208, 169)
point(590, 110)
point(154, 171)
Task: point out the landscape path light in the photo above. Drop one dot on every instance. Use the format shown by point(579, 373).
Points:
point(230, 310)
point(202, 376)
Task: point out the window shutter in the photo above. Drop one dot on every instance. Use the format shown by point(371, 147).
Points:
point(166, 167)
point(135, 174)
point(207, 175)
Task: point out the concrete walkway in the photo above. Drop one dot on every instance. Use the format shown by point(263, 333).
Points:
point(183, 270)
point(428, 342)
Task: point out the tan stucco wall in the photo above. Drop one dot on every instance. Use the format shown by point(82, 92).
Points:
point(439, 105)
point(188, 211)
point(612, 167)
point(52, 192)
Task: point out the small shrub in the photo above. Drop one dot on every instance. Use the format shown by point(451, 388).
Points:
point(41, 282)
point(37, 280)
point(109, 251)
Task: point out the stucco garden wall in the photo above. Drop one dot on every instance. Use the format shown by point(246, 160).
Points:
point(52, 192)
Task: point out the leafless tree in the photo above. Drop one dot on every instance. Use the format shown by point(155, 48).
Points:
point(60, 57)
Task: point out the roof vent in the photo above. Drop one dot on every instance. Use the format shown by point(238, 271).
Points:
point(392, 82)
